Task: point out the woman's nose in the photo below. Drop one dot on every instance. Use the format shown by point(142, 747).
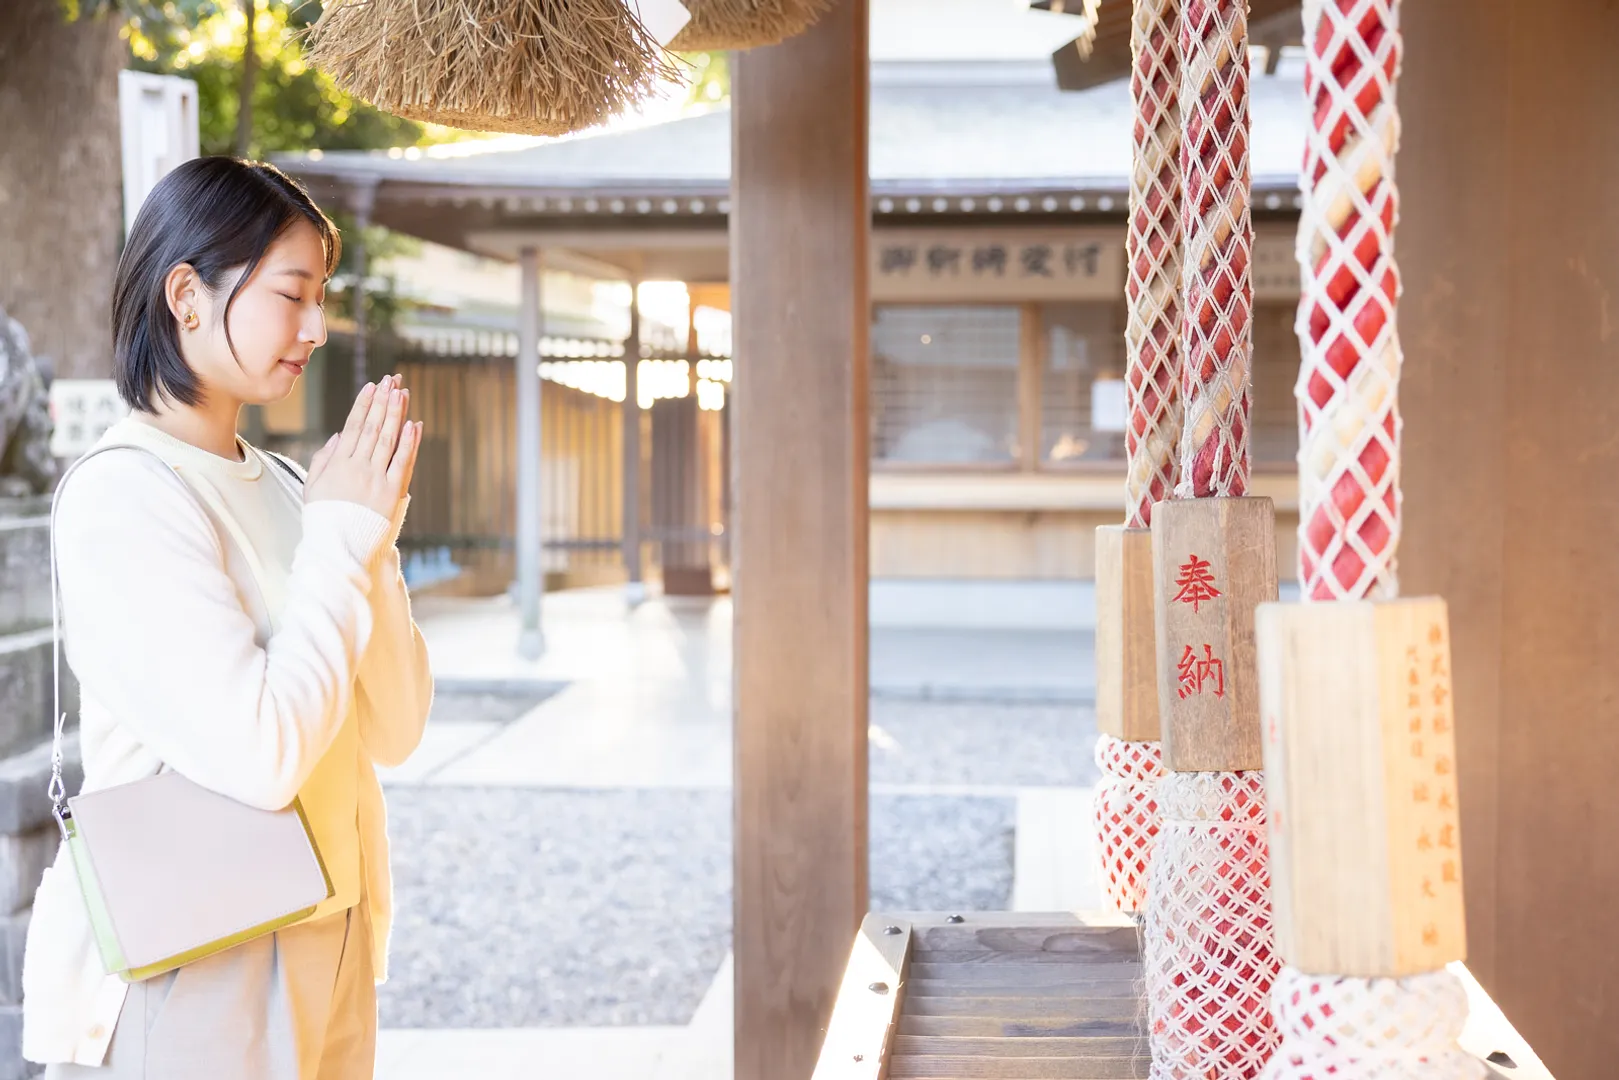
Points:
point(314, 329)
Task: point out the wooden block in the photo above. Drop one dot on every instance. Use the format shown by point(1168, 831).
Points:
point(1214, 562)
point(1360, 769)
point(1126, 637)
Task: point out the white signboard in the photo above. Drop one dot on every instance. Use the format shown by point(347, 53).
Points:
point(82, 411)
point(1014, 264)
point(1108, 409)
point(158, 125)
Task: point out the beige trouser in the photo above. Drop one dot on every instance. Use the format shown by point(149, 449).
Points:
point(299, 1004)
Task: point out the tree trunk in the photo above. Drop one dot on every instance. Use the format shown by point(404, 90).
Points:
point(61, 184)
point(250, 78)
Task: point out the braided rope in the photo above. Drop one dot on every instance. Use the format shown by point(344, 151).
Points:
point(1153, 250)
point(1349, 449)
point(1127, 816)
point(1218, 226)
point(1209, 943)
point(1346, 1028)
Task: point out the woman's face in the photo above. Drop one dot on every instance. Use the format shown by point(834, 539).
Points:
point(276, 322)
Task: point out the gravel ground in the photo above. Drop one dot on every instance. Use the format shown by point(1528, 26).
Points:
point(916, 742)
point(521, 907)
point(451, 706)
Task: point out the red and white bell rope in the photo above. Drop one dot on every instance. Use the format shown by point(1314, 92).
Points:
point(1342, 1028)
point(1217, 225)
point(1126, 813)
point(1349, 423)
point(1153, 248)
point(1209, 942)
point(1127, 817)
point(1210, 950)
point(1345, 1027)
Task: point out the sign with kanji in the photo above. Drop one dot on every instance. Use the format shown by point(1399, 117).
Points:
point(1360, 774)
point(1013, 264)
point(82, 410)
point(1214, 560)
point(1420, 762)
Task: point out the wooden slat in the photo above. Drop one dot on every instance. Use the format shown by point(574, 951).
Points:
point(1021, 1046)
point(1027, 974)
point(1034, 1028)
point(980, 957)
point(1120, 944)
point(1014, 1008)
point(1098, 919)
point(937, 1067)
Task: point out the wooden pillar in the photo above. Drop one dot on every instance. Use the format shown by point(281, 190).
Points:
point(1509, 250)
point(799, 274)
point(632, 446)
point(530, 551)
point(362, 200)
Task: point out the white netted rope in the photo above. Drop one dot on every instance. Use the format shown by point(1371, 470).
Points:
point(1209, 944)
point(1371, 1029)
point(1153, 250)
point(1349, 423)
point(1127, 816)
point(1217, 222)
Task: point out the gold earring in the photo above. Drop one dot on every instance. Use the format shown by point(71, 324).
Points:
point(190, 320)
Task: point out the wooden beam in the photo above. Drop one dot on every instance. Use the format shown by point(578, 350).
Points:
point(800, 459)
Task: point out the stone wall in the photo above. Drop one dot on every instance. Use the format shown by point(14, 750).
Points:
point(28, 835)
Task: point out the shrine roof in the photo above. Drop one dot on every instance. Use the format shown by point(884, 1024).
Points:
point(941, 129)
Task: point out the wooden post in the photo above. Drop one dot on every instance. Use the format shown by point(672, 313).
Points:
point(1126, 635)
point(799, 235)
point(1214, 561)
point(530, 551)
point(362, 199)
point(1509, 255)
point(632, 448)
point(1360, 771)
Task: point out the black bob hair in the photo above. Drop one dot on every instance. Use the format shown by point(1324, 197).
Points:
point(219, 215)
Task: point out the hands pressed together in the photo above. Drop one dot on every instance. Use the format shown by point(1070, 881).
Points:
point(371, 460)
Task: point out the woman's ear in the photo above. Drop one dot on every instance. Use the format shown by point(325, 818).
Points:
point(183, 290)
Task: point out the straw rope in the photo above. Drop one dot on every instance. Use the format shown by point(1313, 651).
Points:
point(744, 24)
point(1218, 227)
point(1153, 250)
point(538, 67)
point(1349, 449)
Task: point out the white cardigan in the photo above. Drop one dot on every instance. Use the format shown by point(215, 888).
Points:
point(165, 630)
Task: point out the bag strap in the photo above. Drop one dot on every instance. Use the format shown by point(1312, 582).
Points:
point(57, 790)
